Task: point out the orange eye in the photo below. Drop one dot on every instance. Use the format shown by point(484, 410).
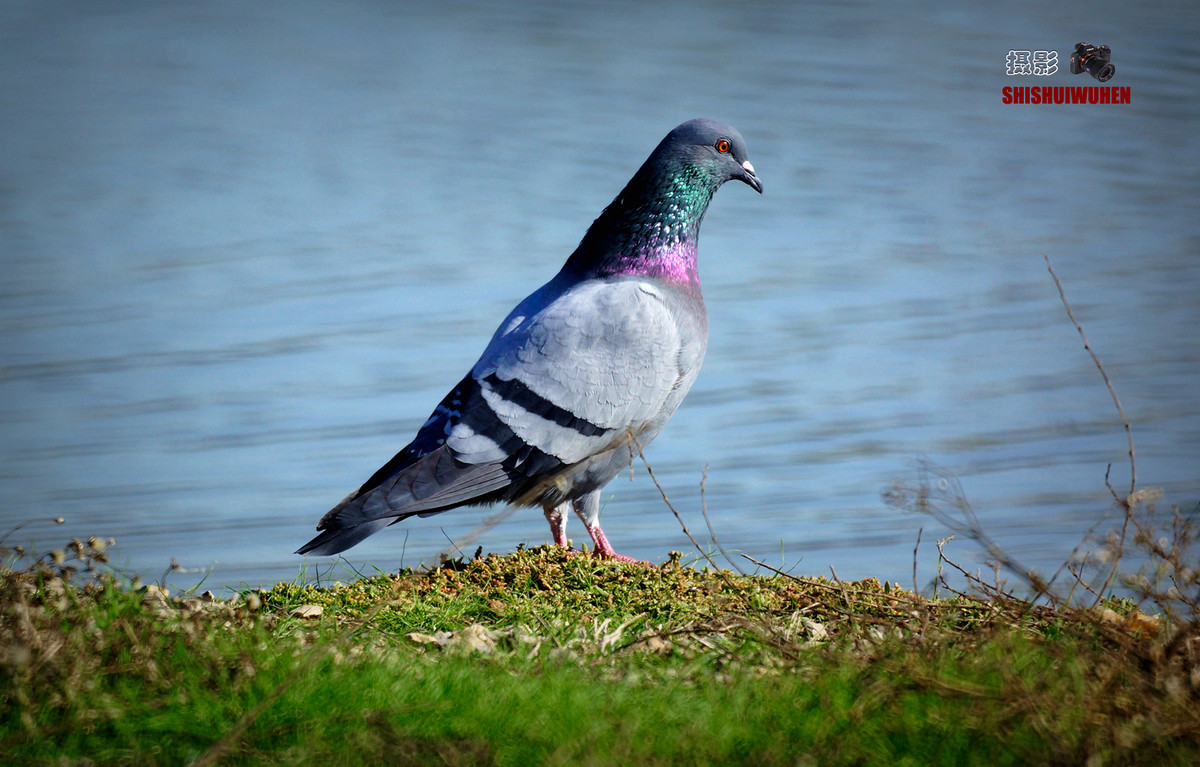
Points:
point(722, 145)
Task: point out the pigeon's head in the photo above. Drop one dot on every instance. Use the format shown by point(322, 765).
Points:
point(712, 147)
point(651, 228)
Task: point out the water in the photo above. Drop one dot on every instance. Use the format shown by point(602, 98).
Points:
point(245, 250)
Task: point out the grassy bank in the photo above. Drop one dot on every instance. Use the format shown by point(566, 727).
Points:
point(540, 658)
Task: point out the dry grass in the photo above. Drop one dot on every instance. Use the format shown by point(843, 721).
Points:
point(768, 667)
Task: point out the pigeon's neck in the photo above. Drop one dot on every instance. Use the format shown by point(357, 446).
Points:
point(650, 229)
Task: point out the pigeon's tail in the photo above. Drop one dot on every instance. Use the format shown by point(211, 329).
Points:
point(431, 484)
point(335, 540)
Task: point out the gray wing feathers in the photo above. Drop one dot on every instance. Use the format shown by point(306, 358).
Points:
point(604, 352)
point(434, 483)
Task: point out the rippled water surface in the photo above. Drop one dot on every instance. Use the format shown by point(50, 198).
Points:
point(246, 248)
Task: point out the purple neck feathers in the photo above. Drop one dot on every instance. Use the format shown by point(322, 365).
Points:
point(650, 229)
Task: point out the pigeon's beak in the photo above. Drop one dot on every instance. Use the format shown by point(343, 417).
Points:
point(750, 177)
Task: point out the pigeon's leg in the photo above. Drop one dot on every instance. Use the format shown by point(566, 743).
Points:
point(557, 517)
point(588, 509)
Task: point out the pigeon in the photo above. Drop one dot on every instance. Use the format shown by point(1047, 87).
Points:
point(581, 375)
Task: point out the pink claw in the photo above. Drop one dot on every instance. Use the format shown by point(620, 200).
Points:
point(604, 548)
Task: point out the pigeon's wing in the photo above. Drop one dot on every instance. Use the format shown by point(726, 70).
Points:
point(564, 378)
point(423, 478)
point(606, 358)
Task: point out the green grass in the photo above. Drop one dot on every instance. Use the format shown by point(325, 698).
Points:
point(581, 662)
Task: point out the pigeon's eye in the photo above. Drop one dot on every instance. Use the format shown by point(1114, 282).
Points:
point(722, 145)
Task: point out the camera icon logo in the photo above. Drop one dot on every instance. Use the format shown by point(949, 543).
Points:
point(1093, 59)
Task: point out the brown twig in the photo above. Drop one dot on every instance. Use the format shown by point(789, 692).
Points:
point(633, 441)
point(1128, 501)
point(842, 588)
point(890, 615)
point(712, 533)
point(1067, 562)
point(55, 520)
point(915, 548)
point(928, 498)
point(1103, 374)
point(458, 544)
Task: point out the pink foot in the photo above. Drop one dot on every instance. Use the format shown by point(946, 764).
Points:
point(604, 548)
point(558, 525)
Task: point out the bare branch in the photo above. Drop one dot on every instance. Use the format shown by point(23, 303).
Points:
point(915, 548)
point(1126, 502)
point(1107, 382)
point(712, 533)
point(633, 441)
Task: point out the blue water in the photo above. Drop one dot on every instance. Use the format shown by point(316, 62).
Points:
point(246, 248)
